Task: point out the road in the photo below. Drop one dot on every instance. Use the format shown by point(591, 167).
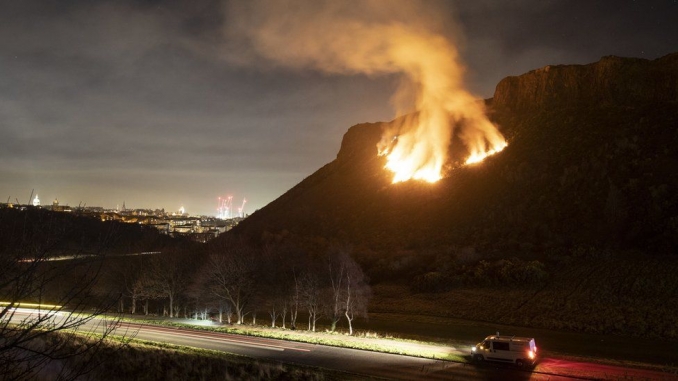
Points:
point(372, 364)
point(383, 365)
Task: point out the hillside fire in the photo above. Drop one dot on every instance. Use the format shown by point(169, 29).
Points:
point(443, 108)
point(382, 39)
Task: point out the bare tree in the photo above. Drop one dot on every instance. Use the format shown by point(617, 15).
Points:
point(135, 288)
point(357, 292)
point(230, 275)
point(137, 291)
point(273, 311)
point(225, 309)
point(310, 291)
point(126, 278)
point(295, 299)
point(284, 308)
point(168, 278)
point(202, 301)
point(273, 284)
point(336, 271)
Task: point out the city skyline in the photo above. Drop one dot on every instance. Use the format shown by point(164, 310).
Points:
point(222, 209)
point(159, 105)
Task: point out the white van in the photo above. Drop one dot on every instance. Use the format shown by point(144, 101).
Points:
point(521, 351)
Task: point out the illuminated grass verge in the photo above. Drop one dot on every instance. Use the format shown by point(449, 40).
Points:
point(368, 342)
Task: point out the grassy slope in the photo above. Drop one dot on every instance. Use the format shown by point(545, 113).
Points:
point(602, 296)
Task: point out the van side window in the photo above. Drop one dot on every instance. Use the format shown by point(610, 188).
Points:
point(486, 344)
point(501, 346)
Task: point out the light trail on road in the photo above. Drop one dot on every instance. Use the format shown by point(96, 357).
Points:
point(365, 363)
point(248, 341)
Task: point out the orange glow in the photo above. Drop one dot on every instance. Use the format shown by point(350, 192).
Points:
point(433, 77)
point(404, 169)
point(477, 157)
point(397, 38)
point(422, 153)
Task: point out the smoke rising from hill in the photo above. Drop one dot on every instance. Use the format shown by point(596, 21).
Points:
point(377, 38)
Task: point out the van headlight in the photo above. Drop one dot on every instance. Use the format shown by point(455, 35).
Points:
point(473, 349)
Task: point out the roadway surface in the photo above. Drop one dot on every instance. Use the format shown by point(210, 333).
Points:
point(373, 364)
point(383, 365)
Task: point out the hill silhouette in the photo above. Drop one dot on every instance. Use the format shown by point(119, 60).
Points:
point(573, 226)
point(590, 162)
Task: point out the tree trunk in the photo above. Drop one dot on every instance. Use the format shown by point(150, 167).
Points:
point(274, 316)
point(171, 305)
point(348, 304)
point(350, 325)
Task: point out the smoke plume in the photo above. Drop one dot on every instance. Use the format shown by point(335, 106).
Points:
point(378, 38)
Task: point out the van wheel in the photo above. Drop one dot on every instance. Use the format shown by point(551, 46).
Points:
point(478, 358)
point(520, 363)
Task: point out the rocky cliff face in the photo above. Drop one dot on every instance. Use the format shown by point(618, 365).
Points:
point(611, 81)
point(355, 143)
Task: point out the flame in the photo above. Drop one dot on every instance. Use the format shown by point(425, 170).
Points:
point(443, 105)
point(477, 157)
point(406, 166)
point(376, 37)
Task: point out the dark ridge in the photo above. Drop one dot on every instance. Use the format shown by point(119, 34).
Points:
point(590, 162)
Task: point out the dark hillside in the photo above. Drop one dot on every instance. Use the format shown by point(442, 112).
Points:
point(42, 232)
point(573, 226)
point(590, 162)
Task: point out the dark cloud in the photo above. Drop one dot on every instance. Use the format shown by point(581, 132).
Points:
point(148, 102)
point(510, 38)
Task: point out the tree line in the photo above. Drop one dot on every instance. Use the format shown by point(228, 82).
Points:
point(231, 282)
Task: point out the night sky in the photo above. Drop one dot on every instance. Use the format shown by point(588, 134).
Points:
point(157, 105)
